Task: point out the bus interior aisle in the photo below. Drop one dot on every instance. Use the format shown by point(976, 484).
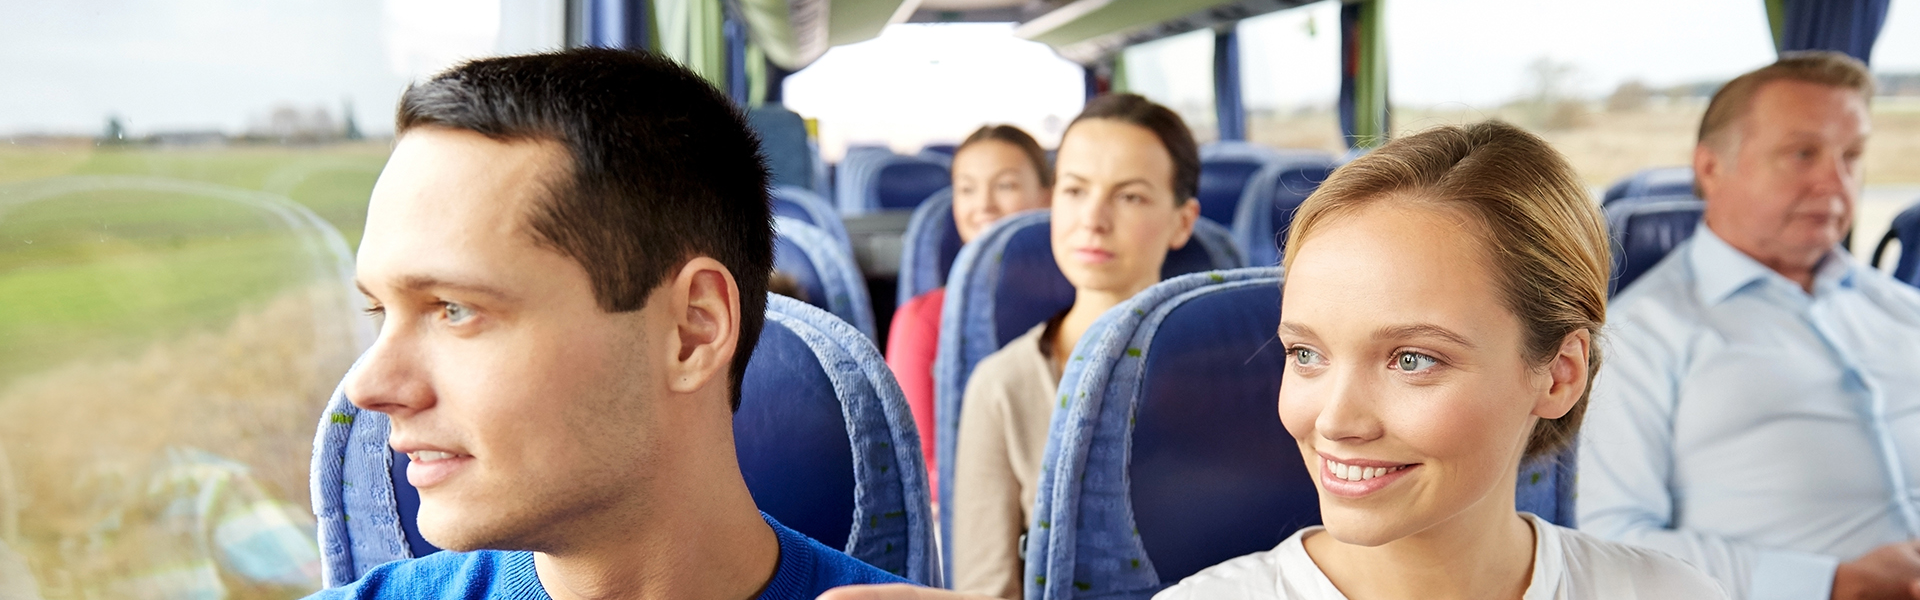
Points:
point(184, 188)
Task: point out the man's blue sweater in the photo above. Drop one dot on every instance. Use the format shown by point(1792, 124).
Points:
point(806, 570)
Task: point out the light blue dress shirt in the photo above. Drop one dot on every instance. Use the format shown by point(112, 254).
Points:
point(1762, 433)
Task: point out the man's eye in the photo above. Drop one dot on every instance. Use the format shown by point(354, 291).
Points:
point(1413, 362)
point(455, 313)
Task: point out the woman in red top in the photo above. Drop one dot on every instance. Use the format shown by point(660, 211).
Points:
point(997, 171)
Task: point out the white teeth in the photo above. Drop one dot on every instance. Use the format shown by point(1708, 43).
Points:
point(1357, 473)
point(429, 456)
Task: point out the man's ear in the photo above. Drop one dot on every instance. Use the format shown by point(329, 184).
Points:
point(704, 304)
point(1706, 168)
point(1187, 213)
point(1567, 376)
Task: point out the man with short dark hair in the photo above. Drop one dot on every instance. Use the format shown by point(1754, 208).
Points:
point(1760, 412)
point(569, 255)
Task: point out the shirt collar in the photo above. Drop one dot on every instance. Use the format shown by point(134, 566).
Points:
point(1720, 270)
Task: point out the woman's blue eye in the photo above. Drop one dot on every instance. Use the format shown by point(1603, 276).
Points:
point(1413, 362)
point(1305, 357)
point(457, 313)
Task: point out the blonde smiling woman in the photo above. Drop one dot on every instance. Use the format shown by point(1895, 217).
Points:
point(1442, 299)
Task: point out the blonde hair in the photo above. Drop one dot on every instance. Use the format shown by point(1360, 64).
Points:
point(1546, 239)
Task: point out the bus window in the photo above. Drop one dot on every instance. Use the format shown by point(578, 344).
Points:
point(1290, 75)
point(180, 193)
point(920, 84)
point(1177, 72)
point(1615, 86)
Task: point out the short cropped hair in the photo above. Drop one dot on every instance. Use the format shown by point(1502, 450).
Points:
point(1013, 136)
point(1545, 239)
point(1136, 110)
point(1824, 67)
point(663, 169)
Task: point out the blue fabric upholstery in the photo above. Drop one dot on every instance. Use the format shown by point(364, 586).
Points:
point(1906, 230)
point(803, 204)
point(904, 183)
point(851, 176)
point(1644, 230)
point(783, 140)
point(809, 369)
point(939, 153)
point(1004, 283)
point(824, 269)
point(1167, 455)
point(928, 248)
point(1266, 208)
point(1657, 181)
point(1226, 168)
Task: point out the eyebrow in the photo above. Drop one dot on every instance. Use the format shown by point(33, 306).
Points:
point(1295, 329)
point(418, 283)
point(1422, 330)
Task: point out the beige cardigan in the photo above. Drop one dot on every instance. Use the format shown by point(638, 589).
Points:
point(1003, 432)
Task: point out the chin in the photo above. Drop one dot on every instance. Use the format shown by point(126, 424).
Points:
point(1360, 527)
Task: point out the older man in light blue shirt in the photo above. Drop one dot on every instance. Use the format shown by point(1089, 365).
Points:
point(1759, 412)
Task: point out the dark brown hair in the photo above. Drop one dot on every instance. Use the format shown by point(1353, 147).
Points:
point(663, 169)
point(1009, 134)
point(1136, 110)
point(1545, 238)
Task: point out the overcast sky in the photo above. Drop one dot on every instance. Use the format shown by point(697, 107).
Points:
point(198, 64)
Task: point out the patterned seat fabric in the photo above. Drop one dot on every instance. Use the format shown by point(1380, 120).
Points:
point(928, 248)
point(1644, 230)
point(823, 270)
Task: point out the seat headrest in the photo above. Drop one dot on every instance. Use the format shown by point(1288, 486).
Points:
point(1645, 230)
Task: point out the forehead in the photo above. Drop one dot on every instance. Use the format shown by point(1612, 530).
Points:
point(988, 155)
point(454, 200)
point(1789, 106)
point(1115, 148)
point(1394, 262)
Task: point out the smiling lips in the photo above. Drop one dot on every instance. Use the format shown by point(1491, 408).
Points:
point(1093, 255)
point(1358, 478)
point(430, 467)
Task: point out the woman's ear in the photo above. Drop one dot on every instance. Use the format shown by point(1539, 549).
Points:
point(1567, 375)
point(1186, 213)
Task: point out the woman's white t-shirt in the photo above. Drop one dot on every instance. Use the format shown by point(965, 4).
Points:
point(1567, 565)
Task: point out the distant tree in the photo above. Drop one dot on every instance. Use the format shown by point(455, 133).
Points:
point(1631, 96)
point(116, 132)
point(352, 129)
point(1549, 102)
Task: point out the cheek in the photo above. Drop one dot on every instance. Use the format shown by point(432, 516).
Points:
point(1298, 408)
point(1465, 424)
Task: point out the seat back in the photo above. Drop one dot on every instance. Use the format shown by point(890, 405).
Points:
point(939, 153)
point(851, 175)
point(1004, 283)
point(1266, 208)
point(1168, 457)
point(824, 271)
point(1656, 181)
point(904, 182)
point(1227, 168)
point(809, 207)
point(928, 248)
point(1644, 230)
point(784, 141)
point(824, 438)
point(1906, 230)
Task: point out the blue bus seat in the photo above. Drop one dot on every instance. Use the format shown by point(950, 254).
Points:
point(1266, 208)
point(1004, 283)
point(851, 175)
point(1226, 168)
point(813, 394)
point(928, 248)
point(824, 270)
point(1645, 230)
point(1906, 230)
point(939, 153)
point(805, 205)
point(784, 141)
point(1652, 182)
point(902, 183)
point(1168, 455)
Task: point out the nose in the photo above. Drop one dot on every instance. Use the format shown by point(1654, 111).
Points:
point(390, 378)
point(1348, 415)
point(1096, 214)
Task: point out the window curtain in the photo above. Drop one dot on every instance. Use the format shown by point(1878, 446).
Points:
point(1363, 74)
point(1849, 26)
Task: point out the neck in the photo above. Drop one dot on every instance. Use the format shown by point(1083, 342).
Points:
point(1088, 305)
point(699, 536)
point(1484, 552)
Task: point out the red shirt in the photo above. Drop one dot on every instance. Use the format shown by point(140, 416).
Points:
point(912, 340)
